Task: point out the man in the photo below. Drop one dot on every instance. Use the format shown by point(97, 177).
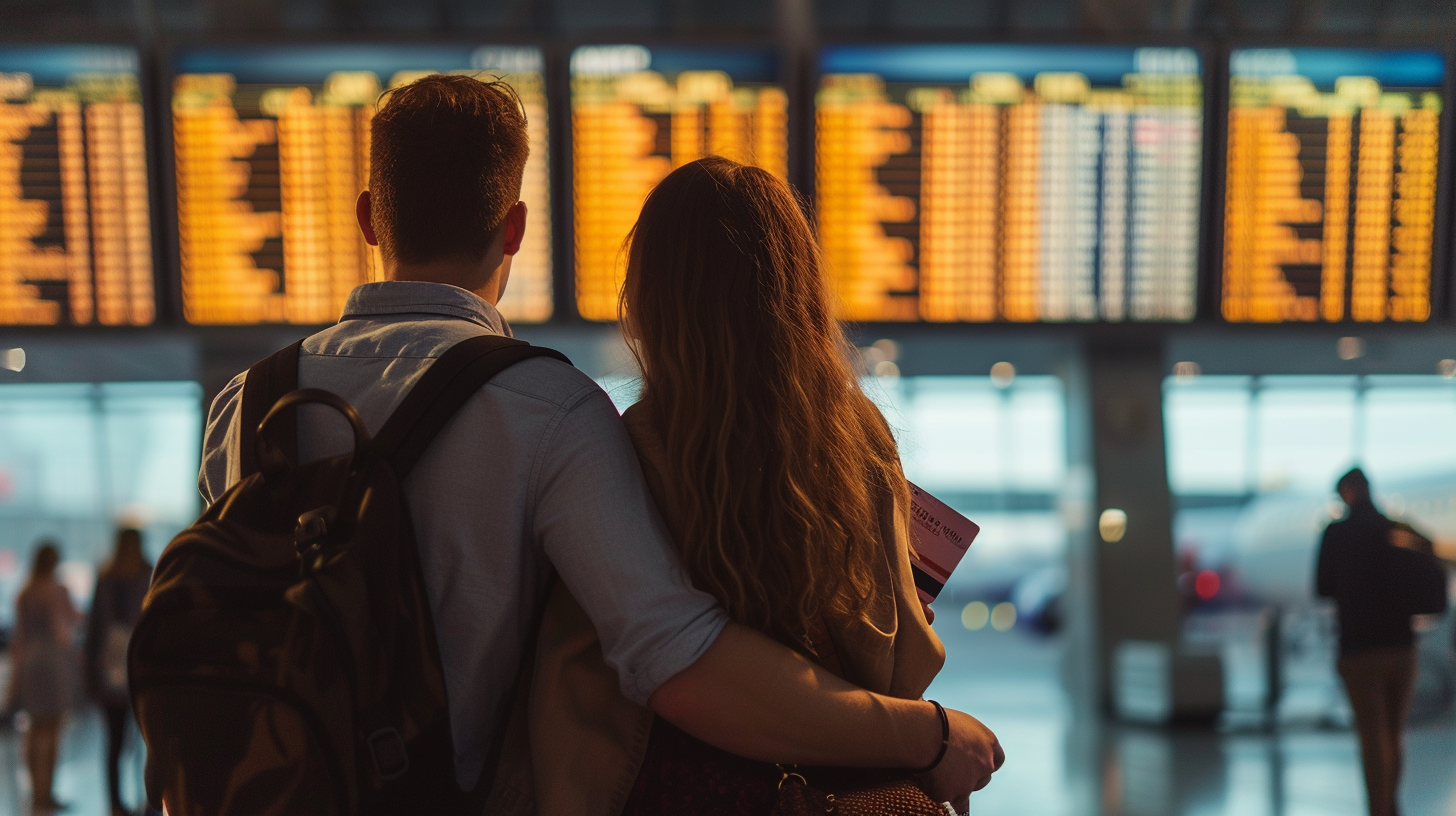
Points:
point(1377, 647)
point(537, 472)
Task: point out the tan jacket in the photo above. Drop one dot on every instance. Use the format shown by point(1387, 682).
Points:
point(587, 741)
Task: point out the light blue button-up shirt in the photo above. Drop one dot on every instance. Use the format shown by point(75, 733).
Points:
point(535, 471)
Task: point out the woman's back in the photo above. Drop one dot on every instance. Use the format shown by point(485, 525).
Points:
point(889, 648)
point(44, 613)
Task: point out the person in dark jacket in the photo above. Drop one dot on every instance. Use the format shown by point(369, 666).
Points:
point(120, 590)
point(1377, 645)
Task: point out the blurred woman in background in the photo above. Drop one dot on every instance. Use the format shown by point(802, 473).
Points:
point(41, 653)
point(120, 590)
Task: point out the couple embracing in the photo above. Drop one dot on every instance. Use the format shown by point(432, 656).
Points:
point(709, 598)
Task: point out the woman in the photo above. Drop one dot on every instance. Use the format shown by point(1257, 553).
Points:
point(120, 590)
point(778, 478)
point(41, 651)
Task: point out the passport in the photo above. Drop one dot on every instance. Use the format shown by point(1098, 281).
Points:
point(939, 537)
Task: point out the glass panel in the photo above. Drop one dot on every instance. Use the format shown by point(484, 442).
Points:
point(78, 459)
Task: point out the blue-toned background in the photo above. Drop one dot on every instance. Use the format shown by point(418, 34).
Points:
point(52, 64)
point(956, 63)
point(1405, 69)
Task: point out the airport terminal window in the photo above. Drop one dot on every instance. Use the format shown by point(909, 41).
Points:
point(1005, 182)
point(997, 455)
point(77, 458)
point(1252, 463)
point(75, 211)
point(272, 150)
point(1240, 436)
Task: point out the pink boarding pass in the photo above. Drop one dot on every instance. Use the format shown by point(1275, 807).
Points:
point(941, 537)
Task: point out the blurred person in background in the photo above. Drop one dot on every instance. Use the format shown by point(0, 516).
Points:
point(120, 590)
point(45, 619)
point(1362, 560)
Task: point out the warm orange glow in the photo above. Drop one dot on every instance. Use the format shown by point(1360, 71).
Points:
point(75, 215)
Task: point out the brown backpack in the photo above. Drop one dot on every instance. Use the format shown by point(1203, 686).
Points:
point(285, 661)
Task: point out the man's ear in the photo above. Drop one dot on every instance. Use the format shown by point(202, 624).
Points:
point(364, 211)
point(515, 228)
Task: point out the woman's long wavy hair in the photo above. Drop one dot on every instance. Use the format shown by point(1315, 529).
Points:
point(779, 463)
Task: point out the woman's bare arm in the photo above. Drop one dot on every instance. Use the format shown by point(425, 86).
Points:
point(750, 695)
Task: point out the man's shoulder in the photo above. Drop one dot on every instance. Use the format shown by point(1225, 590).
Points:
point(549, 380)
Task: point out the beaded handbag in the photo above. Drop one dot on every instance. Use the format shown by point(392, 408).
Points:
point(681, 774)
point(896, 798)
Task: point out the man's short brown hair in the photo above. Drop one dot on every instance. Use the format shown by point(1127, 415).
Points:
point(445, 162)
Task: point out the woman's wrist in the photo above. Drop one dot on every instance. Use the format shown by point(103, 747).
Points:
point(919, 734)
point(944, 721)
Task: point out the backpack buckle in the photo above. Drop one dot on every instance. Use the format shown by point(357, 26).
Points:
point(386, 747)
point(312, 527)
point(309, 535)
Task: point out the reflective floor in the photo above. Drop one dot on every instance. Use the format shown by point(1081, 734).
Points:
point(81, 777)
point(1059, 766)
point(1056, 765)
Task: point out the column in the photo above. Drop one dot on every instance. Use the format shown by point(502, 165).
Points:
point(945, 223)
point(771, 132)
point(1337, 218)
point(529, 297)
point(613, 170)
point(25, 220)
point(687, 134)
point(108, 221)
point(345, 248)
point(74, 212)
point(1415, 216)
point(857, 131)
point(1112, 265)
point(1135, 595)
point(728, 130)
point(304, 181)
point(1058, 211)
point(137, 213)
point(1021, 298)
point(217, 229)
point(1370, 270)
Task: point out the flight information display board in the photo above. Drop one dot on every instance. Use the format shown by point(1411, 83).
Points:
point(272, 149)
point(1330, 187)
point(1010, 182)
point(75, 212)
point(638, 113)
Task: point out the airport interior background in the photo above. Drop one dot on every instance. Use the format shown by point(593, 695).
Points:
point(1134, 281)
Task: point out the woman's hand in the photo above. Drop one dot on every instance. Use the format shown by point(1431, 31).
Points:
point(973, 755)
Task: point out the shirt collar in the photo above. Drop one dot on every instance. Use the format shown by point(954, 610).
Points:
point(422, 298)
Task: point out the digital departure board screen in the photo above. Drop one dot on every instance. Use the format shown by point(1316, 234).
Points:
point(1010, 182)
point(272, 149)
point(638, 113)
point(75, 210)
point(1330, 187)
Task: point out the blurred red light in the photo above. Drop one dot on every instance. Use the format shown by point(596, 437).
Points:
point(1206, 584)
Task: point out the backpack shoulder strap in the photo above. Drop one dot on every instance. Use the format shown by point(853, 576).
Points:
point(267, 382)
point(446, 386)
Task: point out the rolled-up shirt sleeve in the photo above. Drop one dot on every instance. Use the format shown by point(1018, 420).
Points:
point(598, 524)
point(219, 469)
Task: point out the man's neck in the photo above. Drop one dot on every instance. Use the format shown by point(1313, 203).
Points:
point(472, 277)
